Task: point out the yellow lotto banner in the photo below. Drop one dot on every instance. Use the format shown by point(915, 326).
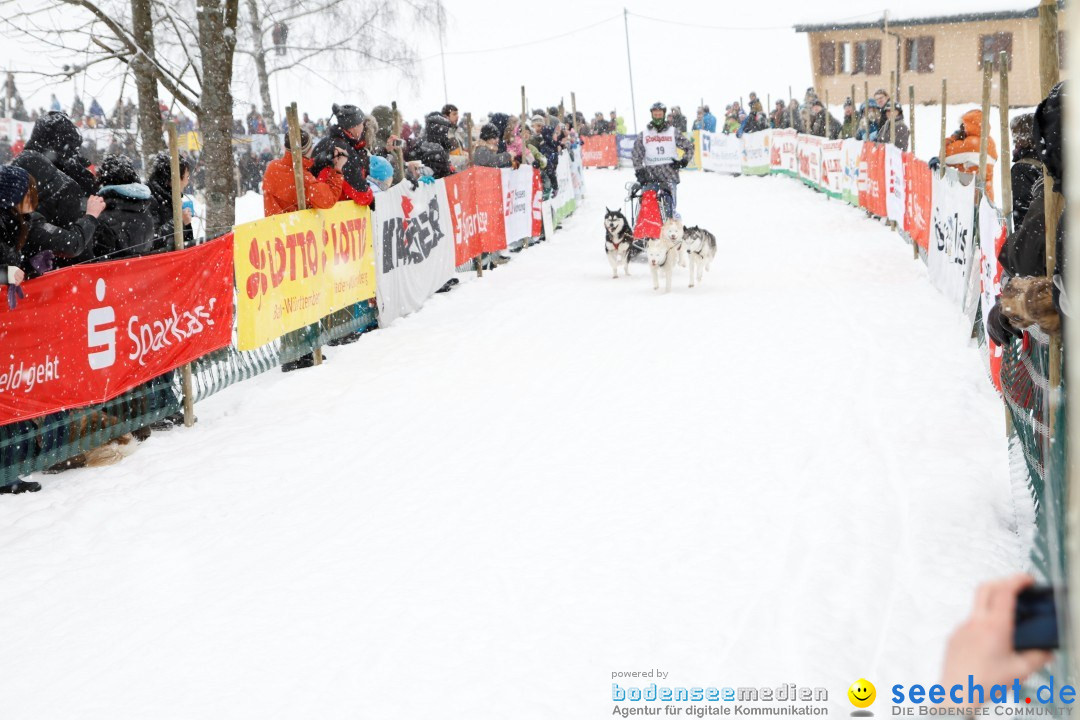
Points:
point(293, 269)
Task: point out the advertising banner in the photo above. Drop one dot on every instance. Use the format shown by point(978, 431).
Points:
point(519, 199)
point(84, 335)
point(721, 153)
point(476, 211)
point(872, 179)
point(918, 184)
point(809, 152)
point(599, 151)
point(785, 157)
point(626, 146)
point(952, 240)
point(414, 248)
point(757, 154)
point(851, 152)
point(832, 167)
point(293, 269)
point(894, 183)
point(991, 239)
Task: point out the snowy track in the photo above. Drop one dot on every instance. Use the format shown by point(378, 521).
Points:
point(794, 473)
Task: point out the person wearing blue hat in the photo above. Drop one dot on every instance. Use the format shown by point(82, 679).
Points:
point(381, 174)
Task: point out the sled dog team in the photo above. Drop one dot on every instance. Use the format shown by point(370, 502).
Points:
point(693, 246)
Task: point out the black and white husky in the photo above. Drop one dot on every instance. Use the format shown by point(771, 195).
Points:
point(618, 237)
point(700, 247)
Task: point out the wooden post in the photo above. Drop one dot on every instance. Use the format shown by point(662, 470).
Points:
point(296, 150)
point(911, 116)
point(1053, 201)
point(468, 136)
point(573, 111)
point(1004, 148)
point(524, 110)
point(791, 108)
point(944, 107)
point(894, 99)
point(398, 151)
point(178, 244)
point(984, 136)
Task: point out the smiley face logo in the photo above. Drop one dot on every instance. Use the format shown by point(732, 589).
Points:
point(862, 693)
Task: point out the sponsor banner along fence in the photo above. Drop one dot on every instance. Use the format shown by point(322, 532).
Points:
point(784, 158)
point(599, 151)
point(720, 153)
point(476, 212)
point(757, 153)
point(832, 167)
point(872, 179)
point(809, 153)
point(851, 151)
point(113, 326)
point(414, 246)
point(952, 237)
point(293, 269)
point(918, 189)
point(625, 145)
point(522, 191)
point(992, 233)
point(894, 184)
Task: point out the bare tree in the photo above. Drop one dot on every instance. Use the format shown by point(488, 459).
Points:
point(151, 130)
point(356, 33)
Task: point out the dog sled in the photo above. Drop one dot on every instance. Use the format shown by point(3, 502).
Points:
point(650, 207)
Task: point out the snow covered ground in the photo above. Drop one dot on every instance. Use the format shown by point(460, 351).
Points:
point(795, 473)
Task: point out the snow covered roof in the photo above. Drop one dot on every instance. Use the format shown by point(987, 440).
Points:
point(924, 12)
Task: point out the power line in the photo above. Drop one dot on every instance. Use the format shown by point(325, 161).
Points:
point(527, 44)
point(744, 28)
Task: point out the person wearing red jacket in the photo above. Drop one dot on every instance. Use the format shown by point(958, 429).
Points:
point(356, 132)
point(279, 181)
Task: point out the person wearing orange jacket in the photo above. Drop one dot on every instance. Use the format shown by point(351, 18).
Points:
point(279, 181)
point(962, 148)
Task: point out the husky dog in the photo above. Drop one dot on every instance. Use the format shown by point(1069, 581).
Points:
point(662, 254)
point(700, 246)
point(618, 237)
point(673, 231)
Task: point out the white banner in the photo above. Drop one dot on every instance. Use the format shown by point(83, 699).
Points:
point(809, 150)
point(414, 247)
point(832, 167)
point(721, 153)
point(517, 188)
point(894, 183)
point(991, 238)
point(756, 152)
point(952, 241)
point(786, 158)
point(577, 175)
point(849, 185)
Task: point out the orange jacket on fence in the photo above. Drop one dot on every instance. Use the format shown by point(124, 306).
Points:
point(279, 187)
point(963, 154)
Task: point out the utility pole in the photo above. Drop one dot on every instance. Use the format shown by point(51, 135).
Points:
point(630, 68)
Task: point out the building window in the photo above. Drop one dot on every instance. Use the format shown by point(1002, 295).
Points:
point(920, 54)
point(843, 58)
point(867, 57)
point(991, 45)
point(827, 58)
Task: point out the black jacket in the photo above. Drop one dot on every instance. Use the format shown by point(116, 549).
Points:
point(160, 210)
point(357, 167)
point(68, 245)
point(438, 130)
point(61, 200)
point(127, 227)
point(1026, 174)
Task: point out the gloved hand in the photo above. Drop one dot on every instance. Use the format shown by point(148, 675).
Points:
point(641, 176)
point(427, 179)
point(14, 294)
point(684, 161)
point(934, 163)
point(998, 326)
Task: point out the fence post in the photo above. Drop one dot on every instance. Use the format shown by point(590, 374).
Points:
point(1003, 150)
point(573, 111)
point(894, 101)
point(178, 244)
point(298, 177)
point(524, 111)
point(944, 107)
point(468, 136)
point(984, 137)
point(397, 133)
point(828, 117)
point(1053, 202)
point(791, 108)
point(911, 114)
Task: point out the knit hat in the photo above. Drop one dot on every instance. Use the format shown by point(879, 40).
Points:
point(348, 115)
point(380, 168)
point(117, 170)
point(538, 119)
point(305, 142)
point(14, 183)
point(489, 132)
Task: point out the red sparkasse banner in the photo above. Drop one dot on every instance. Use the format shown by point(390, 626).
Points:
point(872, 179)
point(599, 151)
point(537, 204)
point(85, 334)
point(918, 199)
point(476, 212)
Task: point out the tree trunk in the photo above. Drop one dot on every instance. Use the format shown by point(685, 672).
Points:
point(151, 130)
point(217, 42)
point(259, 52)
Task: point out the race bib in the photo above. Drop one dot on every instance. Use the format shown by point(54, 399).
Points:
point(660, 147)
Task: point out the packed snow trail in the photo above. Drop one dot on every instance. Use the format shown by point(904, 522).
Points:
point(794, 473)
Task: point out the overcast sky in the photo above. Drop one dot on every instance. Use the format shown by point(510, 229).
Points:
point(682, 51)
